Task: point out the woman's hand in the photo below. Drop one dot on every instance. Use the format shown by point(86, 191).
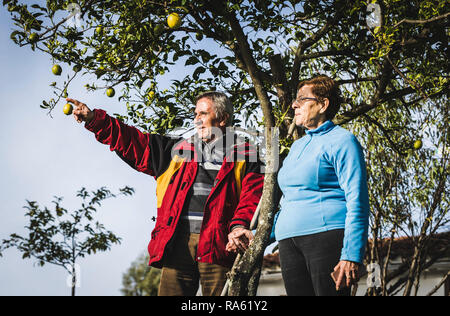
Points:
point(81, 111)
point(348, 274)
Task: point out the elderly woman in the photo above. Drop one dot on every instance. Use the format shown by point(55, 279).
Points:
point(323, 221)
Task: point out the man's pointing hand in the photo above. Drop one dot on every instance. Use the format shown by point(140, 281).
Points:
point(81, 112)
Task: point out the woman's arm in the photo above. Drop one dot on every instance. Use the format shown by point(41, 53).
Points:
point(351, 172)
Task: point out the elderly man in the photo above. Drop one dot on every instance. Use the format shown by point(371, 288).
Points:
point(206, 197)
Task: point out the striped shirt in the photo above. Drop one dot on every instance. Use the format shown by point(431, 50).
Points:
point(210, 156)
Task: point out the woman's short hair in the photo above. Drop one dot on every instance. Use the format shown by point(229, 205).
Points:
point(222, 105)
point(325, 87)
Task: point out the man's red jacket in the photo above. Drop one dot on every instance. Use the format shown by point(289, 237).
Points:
point(173, 162)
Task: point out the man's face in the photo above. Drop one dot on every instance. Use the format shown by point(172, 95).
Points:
point(206, 121)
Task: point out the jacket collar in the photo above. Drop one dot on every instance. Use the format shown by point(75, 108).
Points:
point(229, 138)
point(322, 129)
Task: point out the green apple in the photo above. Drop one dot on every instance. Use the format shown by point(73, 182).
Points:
point(56, 69)
point(418, 144)
point(67, 109)
point(110, 92)
point(173, 20)
point(33, 38)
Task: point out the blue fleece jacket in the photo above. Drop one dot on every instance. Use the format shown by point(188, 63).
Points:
point(324, 185)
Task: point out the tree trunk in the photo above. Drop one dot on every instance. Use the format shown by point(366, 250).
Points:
point(74, 280)
point(245, 274)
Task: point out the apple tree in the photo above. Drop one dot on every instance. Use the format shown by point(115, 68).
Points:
point(389, 58)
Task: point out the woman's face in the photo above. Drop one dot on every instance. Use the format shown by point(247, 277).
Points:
point(309, 112)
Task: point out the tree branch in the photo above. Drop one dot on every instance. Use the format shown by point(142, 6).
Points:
point(440, 17)
point(333, 52)
point(280, 81)
point(410, 82)
point(386, 134)
point(444, 279)
point(404, 267)
point(206, 29)
point(303, 46)
point(253, 69)
point(364, 107)
point(356, 80)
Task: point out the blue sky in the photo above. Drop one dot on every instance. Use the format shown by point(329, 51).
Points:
point(44, 157)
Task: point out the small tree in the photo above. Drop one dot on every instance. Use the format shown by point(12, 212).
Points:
point(140, 279)
point(61, 237)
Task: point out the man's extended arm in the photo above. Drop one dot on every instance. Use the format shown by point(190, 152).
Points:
point(146, 153)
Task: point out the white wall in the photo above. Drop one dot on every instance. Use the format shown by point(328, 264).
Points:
point(272, 284)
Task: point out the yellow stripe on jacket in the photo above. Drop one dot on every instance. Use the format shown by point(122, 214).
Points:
point(163, 181)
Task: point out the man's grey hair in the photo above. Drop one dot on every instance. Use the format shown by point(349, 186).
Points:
point(222, 105)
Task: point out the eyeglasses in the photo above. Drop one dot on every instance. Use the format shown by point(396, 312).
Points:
point(302, 100)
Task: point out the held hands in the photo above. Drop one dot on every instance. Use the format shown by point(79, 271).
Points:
point(239, 240)
point(81, 112)
point(346, 273)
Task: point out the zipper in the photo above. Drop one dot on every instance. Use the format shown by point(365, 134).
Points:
point(304, 147)
point(216, 182)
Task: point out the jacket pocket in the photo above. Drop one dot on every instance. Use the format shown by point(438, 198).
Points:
point(155, 231)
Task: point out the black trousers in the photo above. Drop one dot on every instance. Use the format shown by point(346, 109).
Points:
point(307, 262)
